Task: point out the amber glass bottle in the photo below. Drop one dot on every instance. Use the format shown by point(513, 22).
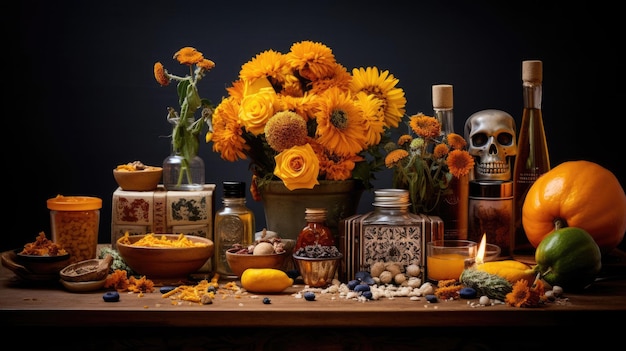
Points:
point(315, 232)
point(532, 158)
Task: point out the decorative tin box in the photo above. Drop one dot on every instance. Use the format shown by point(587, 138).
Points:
point(402, 244)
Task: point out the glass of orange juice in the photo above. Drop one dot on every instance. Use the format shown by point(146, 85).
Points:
point(446, 259)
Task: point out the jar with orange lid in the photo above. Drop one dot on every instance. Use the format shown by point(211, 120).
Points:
point(74, 221)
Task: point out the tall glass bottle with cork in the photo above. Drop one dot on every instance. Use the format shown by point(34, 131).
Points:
point(532, 158)
point(234, 224)
point(453, 210)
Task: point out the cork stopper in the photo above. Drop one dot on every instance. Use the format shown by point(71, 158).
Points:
point(442, 96)
point(532, 71)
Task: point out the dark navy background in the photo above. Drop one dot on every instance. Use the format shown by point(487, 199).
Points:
point(85, 99)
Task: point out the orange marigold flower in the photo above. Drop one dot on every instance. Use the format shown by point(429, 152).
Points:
point(404, 139)
point(188, 56)
point(525, 296)
point(441, 150)
point(425, 126)
point(117, 280)
point(460, 163)
point(456, 141)
point(140, 285)
point(395, 156)
point(313, 60)
point(206, 64)
point(448, 292)
point(161, 74)
point(519, 295)
point(338, 167)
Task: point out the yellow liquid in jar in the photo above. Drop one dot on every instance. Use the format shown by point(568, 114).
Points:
point(445, 266)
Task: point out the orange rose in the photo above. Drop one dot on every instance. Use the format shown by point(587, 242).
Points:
point(298, 167)
point(256, 109)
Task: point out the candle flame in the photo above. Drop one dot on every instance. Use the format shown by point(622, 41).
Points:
point(480, 255)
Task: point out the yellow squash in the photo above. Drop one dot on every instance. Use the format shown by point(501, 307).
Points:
point(265, 280)
point(510, 270)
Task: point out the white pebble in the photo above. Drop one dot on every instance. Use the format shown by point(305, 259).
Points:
point(557, 290)
point(484, 300)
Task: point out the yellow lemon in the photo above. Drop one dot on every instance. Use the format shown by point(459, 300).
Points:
point(265, 280)
point(510, 270)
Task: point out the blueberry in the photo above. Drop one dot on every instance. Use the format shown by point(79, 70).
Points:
point(309, 296)
point(166, 289)
point(111, 296)
point(365, 277)
point(467, 293)
point(431, 298)
point(368, 295)
point(293, 273)
point(362, 287)
point(353, 283)
point(267, 301)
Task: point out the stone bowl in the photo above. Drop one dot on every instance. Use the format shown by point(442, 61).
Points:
point(240, 262)
point(140, 180)
point(165, 262)
point(317, 272)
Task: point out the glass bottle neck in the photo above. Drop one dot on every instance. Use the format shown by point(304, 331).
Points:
point(234, 201)
point(532, 95)
point(445, 116)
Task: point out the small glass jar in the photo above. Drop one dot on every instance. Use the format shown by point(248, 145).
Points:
point(392, 233)
point(491, 213)
point(74, 221)
point(234, 224)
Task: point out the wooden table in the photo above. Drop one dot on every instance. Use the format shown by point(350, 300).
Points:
point(246, 320)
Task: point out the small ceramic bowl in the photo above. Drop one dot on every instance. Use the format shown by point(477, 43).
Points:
point(42, 264)
point(165, 262)
point(317, 272)
point(141, 180)
point(240, 262)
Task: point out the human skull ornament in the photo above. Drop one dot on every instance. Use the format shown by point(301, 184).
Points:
point(490, 135)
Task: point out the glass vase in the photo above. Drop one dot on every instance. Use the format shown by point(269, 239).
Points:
point(180, 173)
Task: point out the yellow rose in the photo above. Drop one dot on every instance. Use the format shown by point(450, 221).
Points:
point(298, 167)
point(256, 109)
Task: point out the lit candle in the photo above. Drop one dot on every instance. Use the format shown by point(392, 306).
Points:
point(481, 250)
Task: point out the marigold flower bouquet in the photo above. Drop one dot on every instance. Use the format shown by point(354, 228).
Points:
point(425, 164)
point(302, 117)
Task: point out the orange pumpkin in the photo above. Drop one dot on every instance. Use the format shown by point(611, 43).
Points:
point(579, 194)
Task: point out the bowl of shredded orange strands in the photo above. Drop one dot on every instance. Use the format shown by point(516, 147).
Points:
point(165, 256)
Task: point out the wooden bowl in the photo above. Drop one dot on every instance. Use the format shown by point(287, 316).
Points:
point(41, 265)
point(240, 262)
point(165, 262)
point(141, 180)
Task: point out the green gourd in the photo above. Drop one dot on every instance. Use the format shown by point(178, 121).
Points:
point(568, 257)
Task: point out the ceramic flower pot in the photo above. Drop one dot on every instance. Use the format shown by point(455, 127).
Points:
point(285, 209)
